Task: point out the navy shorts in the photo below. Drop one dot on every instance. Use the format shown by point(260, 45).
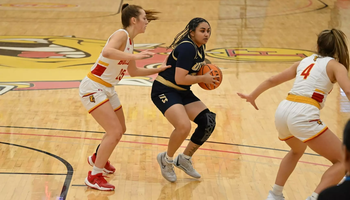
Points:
point(170, 97)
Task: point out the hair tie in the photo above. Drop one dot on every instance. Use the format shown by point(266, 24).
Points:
point(124, 6)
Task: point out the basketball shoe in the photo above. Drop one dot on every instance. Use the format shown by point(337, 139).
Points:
point(166, 167)
point(109, 169)
point(272, 196)
point(98, 182)
point(186, 165)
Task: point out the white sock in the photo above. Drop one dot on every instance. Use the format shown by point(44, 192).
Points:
point(96, 170)
point(314, 196)
point(277, 190)
point(186, 156)
point(169, 159)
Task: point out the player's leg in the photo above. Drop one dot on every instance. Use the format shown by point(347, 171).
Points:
point(95, 98)
point(328, 145)
point(200, 114)
point(116, 105)
point(170, 104)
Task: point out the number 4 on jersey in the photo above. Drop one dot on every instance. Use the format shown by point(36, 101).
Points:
point(307, 70)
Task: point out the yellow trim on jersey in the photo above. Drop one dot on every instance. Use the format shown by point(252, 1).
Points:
point(318, 134)
point(98, 105)
point(190, 43)
point(301, 99)
point(320, 91)
point(174, 56)
point(199, 54)
point(168, 83)
point(119, 107)
point(98, 80)
point(185, 42)
point(287, 138)
point(103, 63)
point(88, 94)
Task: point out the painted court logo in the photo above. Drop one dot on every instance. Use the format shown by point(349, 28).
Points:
point(57, 62)
point(259, 54)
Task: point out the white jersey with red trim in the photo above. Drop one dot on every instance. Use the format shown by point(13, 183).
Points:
point(312, 79)
point(109, 70)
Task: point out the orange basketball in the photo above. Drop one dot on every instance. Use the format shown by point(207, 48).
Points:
point(216, 72)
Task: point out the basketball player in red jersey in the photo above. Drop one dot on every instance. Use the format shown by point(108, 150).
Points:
point(297, 118)
point(97, 88)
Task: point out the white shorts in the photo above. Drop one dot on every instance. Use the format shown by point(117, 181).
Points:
point(93, 95)
point(300, 120)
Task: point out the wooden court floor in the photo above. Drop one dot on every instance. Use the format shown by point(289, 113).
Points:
point(47, 47)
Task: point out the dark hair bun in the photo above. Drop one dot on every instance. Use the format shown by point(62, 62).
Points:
point(124, 5)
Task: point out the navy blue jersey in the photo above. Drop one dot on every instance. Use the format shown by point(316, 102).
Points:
point(339, 192)
point(186, 55)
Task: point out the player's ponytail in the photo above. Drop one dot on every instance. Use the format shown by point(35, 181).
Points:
point(129, 11)
point(332, 43)
point(341, 48)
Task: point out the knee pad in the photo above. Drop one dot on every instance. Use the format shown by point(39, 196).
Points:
point(206, 124)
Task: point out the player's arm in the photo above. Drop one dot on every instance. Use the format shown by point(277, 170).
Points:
point(137, 71)
point(273, 81)
point(186, 54)
point(183, 78)
point(115, 49)
point(341, 76)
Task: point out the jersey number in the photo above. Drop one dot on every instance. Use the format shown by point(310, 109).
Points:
point(163, 98)
point(121, 74)
point(307, 70)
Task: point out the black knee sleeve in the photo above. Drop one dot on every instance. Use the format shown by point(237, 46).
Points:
point(206, 123)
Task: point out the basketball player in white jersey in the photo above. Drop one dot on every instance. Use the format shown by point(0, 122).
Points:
point(97, 88)
point(297, 118)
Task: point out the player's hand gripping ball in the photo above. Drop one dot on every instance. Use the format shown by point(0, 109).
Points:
point(215, 72)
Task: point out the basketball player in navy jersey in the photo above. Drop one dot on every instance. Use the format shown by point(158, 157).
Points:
point(342, 191)
point(171, 93)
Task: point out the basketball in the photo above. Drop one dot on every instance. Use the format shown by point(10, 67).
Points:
point(215, 72)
